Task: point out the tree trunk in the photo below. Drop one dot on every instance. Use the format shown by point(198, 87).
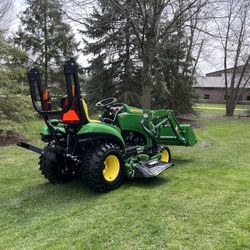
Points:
point(229, 110)
point(230, 106)
point(45, 45)
point(148, 57)
point(127, 76)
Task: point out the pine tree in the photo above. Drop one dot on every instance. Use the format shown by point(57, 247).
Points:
point(172, 74)
point(117, 67)
point(12, 67)
point(46, 37)
point(114, 68)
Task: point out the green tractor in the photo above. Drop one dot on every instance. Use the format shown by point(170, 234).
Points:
point(126, 141)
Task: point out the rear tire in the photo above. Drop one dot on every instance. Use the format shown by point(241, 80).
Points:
point(103, 168)
point(52, 167)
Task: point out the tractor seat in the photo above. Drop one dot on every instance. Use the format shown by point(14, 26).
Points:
point(85, 107)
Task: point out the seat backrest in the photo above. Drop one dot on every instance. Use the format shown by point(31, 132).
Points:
point(85, 107)
point(72, 116)
point(86, 111)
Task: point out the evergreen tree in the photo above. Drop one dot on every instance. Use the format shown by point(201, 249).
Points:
point(12, 67)
point(46, 37)
point(115, 69)
point(172, 74)
point(98, 85)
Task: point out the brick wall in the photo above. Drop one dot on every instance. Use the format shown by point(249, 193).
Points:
point(217, 95)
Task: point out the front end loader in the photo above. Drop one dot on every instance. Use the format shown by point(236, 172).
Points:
point(126, 141)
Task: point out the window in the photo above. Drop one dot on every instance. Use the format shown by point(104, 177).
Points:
point(248, 98)
point(206, 96)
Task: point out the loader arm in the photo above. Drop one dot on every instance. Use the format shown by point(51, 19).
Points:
point(170, 132)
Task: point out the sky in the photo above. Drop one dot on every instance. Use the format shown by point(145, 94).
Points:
point(208, 63)
point(19, 5)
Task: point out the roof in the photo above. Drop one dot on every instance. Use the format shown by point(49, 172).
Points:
point(211, 82)
point(229, 70)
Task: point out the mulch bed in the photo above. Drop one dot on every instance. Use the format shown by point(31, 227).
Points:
point(191, 119)
point(11, 138)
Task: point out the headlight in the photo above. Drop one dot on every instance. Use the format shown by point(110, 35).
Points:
point(145, 115)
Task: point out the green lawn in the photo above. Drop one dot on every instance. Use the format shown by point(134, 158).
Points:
point(203, 202)
point(220, 109)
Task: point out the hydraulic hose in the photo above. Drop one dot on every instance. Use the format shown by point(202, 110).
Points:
point(149, 133)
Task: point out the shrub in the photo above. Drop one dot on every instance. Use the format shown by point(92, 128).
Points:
point(14, 109)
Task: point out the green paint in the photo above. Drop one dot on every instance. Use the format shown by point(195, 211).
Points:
point(56, 124)
point(167, 129)
point(163, 123)
point(101, 128)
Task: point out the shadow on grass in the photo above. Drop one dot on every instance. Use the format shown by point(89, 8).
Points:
point(78, 189)
point(75, 187)
point(147, 182)
point(180, 162)
point(48, 194)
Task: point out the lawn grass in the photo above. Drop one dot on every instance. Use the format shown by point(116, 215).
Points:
point(203, 202)
point(220, 109)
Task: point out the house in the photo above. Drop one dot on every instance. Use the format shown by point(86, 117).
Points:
point(211, 88)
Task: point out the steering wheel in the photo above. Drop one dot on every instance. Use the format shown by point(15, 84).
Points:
point(106, 102)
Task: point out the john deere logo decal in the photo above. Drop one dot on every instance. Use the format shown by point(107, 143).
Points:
point(136, 110)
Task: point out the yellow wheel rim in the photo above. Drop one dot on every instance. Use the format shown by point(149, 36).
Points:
point(164, 155)
point(111, 168)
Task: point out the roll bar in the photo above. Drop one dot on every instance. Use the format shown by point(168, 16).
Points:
point(71, 76)
point(34, 79)
point(71, 73)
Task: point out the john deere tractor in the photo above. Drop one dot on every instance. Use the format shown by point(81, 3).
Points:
point(126, 141)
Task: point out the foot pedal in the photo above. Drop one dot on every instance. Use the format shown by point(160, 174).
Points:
point(151, 168)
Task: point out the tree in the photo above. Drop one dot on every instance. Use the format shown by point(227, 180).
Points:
point(5, 13)
point(149, 22)
point(12, 67)
point(113, 70)
point(139, 31)
point(99, 84)
point(233, 32)
point(196, 33)
point(12, 59)
point(152, 21)
point(173, 74)
point(15, 105)
point(45, 36)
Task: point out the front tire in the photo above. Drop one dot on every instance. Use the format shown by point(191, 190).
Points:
point(165, 153)
point(104, 167)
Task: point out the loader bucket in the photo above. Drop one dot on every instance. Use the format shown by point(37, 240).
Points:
point(171, 132)
point(188, 133)
point(185, 136)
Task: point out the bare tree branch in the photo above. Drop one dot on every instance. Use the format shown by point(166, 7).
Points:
point(6, 6)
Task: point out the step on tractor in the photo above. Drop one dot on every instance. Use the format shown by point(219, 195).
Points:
point(126, 141)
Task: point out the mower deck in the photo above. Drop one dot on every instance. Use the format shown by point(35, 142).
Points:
point(151, 168)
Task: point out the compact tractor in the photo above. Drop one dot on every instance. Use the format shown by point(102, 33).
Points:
point(126, 141)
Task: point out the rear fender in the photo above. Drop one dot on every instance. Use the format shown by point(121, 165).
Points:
point(94, 130)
